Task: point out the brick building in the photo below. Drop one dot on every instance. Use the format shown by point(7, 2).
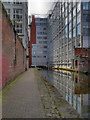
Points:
point(13, 52)
point(82, 59)
point(17, 10)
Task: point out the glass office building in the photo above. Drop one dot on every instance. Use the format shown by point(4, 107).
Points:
point(69, 28)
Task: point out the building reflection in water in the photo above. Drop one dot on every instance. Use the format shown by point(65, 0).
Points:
point(74, 87)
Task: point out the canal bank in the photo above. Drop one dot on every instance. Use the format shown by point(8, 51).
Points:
point(33, 96)
point(68, 69)
point(21, 99)
point(52, 102)
point(72, 87)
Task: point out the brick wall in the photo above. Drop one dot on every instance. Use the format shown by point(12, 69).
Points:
point(0, 45)
point(13, 53)
point(82, 63)
point(33, 37)
point(83, 51)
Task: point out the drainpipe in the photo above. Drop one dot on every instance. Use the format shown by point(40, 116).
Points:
point(15, 50)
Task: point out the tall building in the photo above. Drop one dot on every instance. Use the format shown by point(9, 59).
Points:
point(69, 28)
point(38, 42)
point(18, 13)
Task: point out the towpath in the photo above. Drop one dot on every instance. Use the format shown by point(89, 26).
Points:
point(23, 100)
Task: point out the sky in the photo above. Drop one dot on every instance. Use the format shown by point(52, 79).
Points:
point(39, 6)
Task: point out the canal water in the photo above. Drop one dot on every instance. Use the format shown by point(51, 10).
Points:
point(74, 87)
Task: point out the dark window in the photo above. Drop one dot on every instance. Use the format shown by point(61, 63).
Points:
point(86, 31)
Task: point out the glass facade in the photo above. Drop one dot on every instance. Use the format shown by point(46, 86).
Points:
point(86, 5)
point(62, 41)
point(71, 31)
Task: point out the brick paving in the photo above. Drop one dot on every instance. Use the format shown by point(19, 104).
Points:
point(23, 99)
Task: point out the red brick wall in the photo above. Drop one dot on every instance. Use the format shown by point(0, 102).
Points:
point(83, 63)
point(33, 37)
point(82, 51)
point(10, 68)
point(0, 45)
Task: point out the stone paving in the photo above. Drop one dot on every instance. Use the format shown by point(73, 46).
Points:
point(23, 99)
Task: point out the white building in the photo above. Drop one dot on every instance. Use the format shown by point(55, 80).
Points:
point(39, 50)
point(18, 13)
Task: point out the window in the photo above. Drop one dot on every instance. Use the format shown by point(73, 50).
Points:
point(86, 5)
point(74, 12)
point(41, 19)
point(70, 36)
point(78, 18)
point(78, 31)
point(66, 21)
point(69, 7)
point(45, 47)
point(44, 28)
point(69, 26)
point(44, 37)
point(17, 2)
point(44, 51)
point(69, 17)
point(17, 14)
point(18, 28)
point(44, 33)
point(17, 11)
point(66, 30)
point(39, 33)
point(65, 5)
point(65, 12)
point(40, 42)
point(45, 42)
point(44, 56)
point(74, 22)
point(78, 7)
point(63, 8)
point(74, 33)
point(86, 18)
point(39, 37)
point(86, 31)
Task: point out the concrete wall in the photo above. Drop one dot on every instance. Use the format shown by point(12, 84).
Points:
point(13, 53)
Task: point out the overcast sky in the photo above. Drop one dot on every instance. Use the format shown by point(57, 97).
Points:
point(39, 6)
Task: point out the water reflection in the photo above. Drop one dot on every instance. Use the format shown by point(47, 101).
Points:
point(73, 87)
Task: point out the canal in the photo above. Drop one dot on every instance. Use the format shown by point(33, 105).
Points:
point(74, 87)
